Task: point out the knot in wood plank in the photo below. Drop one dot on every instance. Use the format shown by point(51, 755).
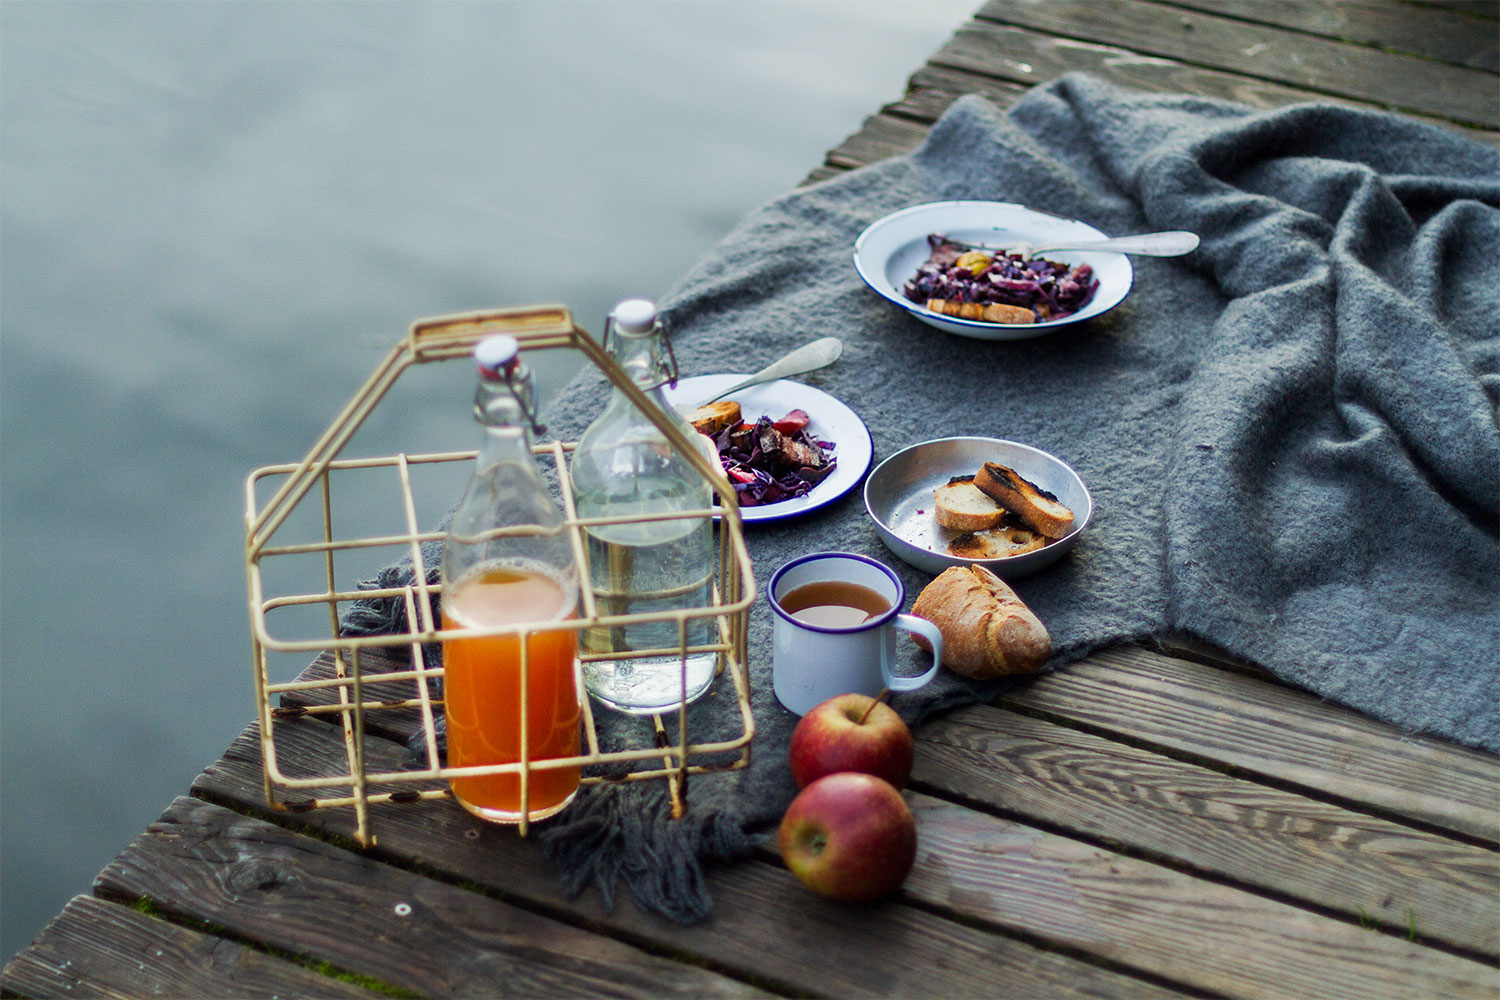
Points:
point(254, 875)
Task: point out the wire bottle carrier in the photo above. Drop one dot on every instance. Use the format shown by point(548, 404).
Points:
point(340, 685)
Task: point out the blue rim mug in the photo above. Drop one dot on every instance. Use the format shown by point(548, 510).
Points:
point(812, 663)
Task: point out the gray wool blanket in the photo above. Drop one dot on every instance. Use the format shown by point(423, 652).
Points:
point(1290, 435)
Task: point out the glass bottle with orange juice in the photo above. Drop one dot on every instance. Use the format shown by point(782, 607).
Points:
point(510, 693)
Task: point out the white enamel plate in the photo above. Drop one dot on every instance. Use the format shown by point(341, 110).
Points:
point(828, 420)
point(890, 251)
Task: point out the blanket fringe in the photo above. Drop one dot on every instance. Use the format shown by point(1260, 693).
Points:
point(613, 832)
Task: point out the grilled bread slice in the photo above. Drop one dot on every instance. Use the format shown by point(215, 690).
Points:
point(995, 543)
point(1032, 504)
point(961, 506)
point(993, 312)
point(714, 417)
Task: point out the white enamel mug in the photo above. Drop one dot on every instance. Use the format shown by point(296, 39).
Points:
point(812, 663)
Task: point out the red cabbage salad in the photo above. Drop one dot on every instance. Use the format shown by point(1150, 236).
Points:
point(773, 460)
point(956, 273)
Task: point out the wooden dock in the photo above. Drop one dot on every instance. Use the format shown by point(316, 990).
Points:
point(1147, 822)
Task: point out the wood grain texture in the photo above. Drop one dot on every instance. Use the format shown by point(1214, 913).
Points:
point(1139, 802)
point(933, 89)
point(1421, 30)
point(94, 948)
point(1278, 733)
point(1001, 62)
point(766, 927)
point(1214, 937)
point(1479, 8)
point(392, 723)
point(1388, 79)
point(881, 138)
point(1018, 55)
point(309, 898)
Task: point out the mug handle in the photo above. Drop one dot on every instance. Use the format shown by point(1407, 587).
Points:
point(929, 631)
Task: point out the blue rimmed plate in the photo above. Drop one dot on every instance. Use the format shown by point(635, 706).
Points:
point(828, 420)
point(889, 252)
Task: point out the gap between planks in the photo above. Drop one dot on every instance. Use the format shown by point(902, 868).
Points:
point(1062, 891)
point(1327, 66)
point(761, 906)
point(1276, 733)
point(1001, 61)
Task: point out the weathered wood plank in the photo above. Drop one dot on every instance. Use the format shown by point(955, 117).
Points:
point(95, 948)
point(303, 896)
point(1479, 8)
point(1388, 79)
point(819, 947)
point(1406, 27)
point(1014, 54)
point(1422, 30)
point(1277, 733)
point(1214, 937)
point(933, 89)
point(398, 724)
point(881, 138)
point(1002, 63)
point(1137, 801)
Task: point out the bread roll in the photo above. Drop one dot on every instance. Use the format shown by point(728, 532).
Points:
point(987, 630)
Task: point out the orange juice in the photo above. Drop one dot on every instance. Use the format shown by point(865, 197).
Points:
point(482, 692)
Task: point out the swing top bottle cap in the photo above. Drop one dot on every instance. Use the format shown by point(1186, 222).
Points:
point(495, 355)
point(635, 316)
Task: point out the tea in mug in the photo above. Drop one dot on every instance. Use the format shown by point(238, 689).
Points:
point(833, 604)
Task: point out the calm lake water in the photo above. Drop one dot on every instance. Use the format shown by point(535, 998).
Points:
point(216, 217)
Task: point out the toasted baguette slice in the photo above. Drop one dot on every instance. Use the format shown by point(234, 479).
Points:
point(996, 543)
point(1032, 504)
point(962, 507)
point(714, 417)
point(994, 312)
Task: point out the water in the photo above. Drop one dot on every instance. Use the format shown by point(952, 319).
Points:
point(215, 218)
point(648, 568)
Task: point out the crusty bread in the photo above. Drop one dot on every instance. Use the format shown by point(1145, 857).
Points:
point(961, 506)
point(995, 543)
point(714, 417)
point(987, 630)
point(992, 312)
point(1032, 504)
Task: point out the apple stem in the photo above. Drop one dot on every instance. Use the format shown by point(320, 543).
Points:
point(884, 693)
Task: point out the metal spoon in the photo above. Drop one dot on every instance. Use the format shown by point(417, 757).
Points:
point(1168, 244)
point(808, 357)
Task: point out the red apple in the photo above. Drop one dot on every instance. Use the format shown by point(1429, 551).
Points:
point(849, 836)
point(851, 732)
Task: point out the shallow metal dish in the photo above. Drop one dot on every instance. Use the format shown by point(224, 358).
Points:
point(898, 497)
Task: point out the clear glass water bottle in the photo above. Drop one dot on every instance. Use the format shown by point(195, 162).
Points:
point(507, 561)
point(624, 465)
